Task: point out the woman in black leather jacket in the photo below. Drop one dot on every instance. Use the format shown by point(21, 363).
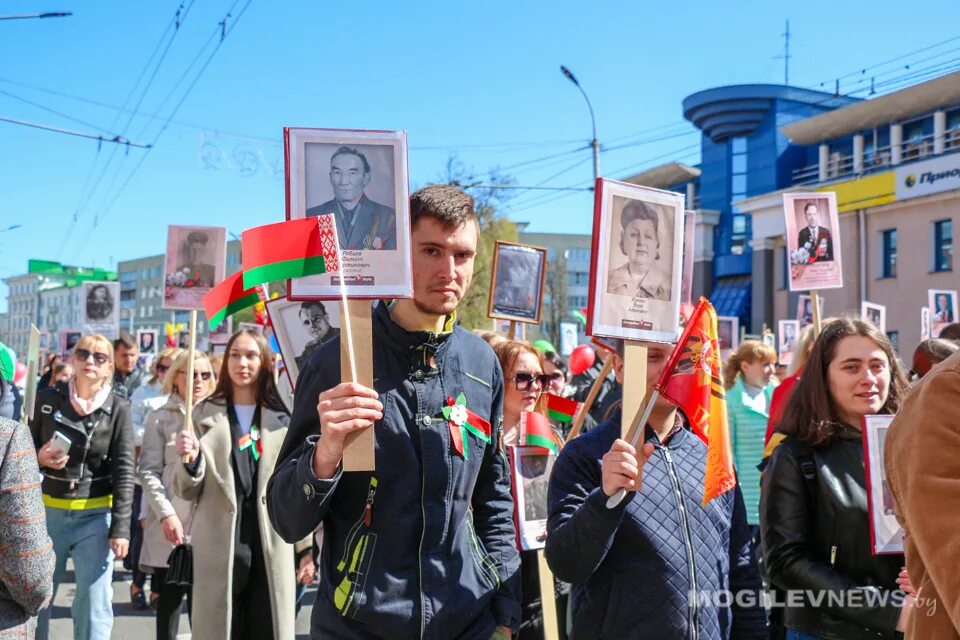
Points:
point(84, 441)
point(813, 509)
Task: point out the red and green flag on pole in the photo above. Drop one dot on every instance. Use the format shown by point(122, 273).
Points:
point(228, 297)
point(290, 249)
point(561, 409)
point(535, 431)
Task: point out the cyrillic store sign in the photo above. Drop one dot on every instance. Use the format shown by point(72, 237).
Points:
point(930, 176)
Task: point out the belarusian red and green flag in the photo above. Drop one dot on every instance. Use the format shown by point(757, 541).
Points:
point(561, 409)
point(535, 431)
point(228, 297)
point(290, 249)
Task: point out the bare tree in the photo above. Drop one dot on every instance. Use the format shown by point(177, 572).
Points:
point(556, 288)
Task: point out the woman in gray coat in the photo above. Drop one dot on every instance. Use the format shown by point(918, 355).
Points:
point(26, 564)
point(167, 522)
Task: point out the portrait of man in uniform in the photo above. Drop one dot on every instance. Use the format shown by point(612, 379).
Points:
point(815, 238)
point(195, 262)
point(362, 223)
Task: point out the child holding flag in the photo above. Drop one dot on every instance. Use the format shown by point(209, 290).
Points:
point(658, 565)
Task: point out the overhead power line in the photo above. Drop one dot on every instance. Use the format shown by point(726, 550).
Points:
point(93, 136)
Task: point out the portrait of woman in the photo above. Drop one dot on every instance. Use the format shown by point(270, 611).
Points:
point(641, 276)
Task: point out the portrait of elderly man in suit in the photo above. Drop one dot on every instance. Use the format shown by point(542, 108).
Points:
point(816, 239)
point(361, 222)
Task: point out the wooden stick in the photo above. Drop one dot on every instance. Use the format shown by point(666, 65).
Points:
point(634, 384)
point(33, 372)
point(356, 365)
point(591, 397)
point(815, 301)
point(188, 422)
point(513, 330)
point(548, 598)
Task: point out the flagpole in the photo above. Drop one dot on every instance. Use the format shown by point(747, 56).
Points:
point(591, 398)
point(188, 392)
point(639, 421)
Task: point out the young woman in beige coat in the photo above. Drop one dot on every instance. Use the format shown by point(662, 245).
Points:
point(244, 575)
point(167, 518)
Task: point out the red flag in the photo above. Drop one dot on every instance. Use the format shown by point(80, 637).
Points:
point(291, 249)
point(693, 381)
point(228, 297)
point(535, 431)
point(561, 409)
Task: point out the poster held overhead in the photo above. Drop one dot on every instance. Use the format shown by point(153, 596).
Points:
point(360, 178)
point(813, 240)
point(196, 260)
point(943, 309)
point(101, 311)
point(728, 332)
point(875, 314)
point(516, 288)
point(147, 341)
point(787, 333)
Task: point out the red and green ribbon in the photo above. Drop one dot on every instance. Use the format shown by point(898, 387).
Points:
point(252, 441)
point(462, 421)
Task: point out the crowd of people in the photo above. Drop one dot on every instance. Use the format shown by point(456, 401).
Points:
point(256, 498)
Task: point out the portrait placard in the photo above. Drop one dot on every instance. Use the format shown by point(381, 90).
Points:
point(875, 314)
point(636, 262)
point(195, 262)
point(924, 323)
point(568, 338)
point(787, 333)
point(813, 240)
point(516, 288)
point(361, 178)
point(943, 309)
point(531, 468)
point(68, 339)
point(886, 535)
point(101, 308)
point(301, 327)
point(728, 332)
point(147, 341)
point(805, 309)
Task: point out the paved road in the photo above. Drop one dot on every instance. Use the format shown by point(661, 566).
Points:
point(129, 623)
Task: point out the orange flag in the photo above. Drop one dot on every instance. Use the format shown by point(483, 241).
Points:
point(693, 380)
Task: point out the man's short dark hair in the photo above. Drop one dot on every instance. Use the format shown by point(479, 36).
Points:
point(312, 304)
point(197, 236)
point(344, 150)
point(951, 332)
point(938, 349)
point(126, 341)
point(808, 205)
point(448, 205)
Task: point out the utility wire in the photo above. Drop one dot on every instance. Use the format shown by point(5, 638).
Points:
point(92, 136)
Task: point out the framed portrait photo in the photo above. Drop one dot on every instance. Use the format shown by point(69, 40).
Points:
point(101, 308)
point(68, 339)
point(147, 341)
point(788, 331)
point(195, 262)
point(875, 314)
point(636, 262)
point(813, 240)
point(728, 332)
point(516, 289)
point(300, 327)
point(943, 309)
point(531, 468)
point(886, 535)
point(805, 309)
point(361, 178)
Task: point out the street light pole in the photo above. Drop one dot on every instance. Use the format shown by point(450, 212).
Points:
point(594, 144)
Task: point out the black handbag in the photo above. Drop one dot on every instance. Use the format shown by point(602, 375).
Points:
point(180, 566)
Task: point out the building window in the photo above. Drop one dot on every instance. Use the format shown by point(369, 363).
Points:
point(738, 237)
point(888, 253)
point(943, 245)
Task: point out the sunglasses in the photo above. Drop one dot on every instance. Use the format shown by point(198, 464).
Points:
point(202, 375)
point(84, 354)
point(163, 368)
point(524, 381)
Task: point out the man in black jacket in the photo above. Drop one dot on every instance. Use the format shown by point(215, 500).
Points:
point(658, 566)
point(425, 545)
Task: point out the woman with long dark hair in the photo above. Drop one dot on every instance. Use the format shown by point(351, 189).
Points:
point(243, 572)
point(813, 511)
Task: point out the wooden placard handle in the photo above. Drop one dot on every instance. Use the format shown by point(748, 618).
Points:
point(548, 598)
point(188, 421)
point(817, 320)
point(634, 384)
point(359, 447)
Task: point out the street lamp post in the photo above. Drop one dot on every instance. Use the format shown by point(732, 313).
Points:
point(595, 144)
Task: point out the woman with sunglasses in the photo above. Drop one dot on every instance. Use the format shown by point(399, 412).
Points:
point(167, 518)
point(243, 572)
point(147, 397)
point(523, 385)
point(814, 519)
point(84, 442)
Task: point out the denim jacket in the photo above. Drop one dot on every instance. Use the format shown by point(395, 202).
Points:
point(424, 546)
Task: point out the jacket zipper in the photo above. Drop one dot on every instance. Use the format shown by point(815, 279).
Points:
point(691, 567)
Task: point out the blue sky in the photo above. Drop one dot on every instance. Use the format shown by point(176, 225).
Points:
point(480, 81)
